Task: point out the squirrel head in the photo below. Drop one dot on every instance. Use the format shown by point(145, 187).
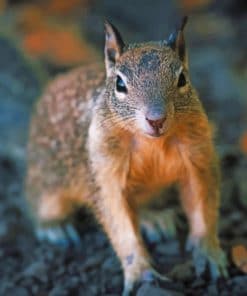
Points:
point(147, 82)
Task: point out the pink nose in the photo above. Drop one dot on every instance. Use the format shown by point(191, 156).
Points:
point(156, 123)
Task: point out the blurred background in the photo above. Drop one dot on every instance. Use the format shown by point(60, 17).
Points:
point(42, 38)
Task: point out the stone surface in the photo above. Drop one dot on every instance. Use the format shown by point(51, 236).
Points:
point(218, 65)
point(147, 290)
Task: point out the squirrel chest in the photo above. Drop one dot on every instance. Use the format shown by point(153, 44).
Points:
point(154, 163)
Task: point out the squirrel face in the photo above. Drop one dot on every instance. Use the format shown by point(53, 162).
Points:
point(144, 81)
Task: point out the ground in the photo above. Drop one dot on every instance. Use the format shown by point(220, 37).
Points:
point(218, 69)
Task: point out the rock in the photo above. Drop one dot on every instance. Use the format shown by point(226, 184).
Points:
point(213, 290)
point(3, 230)
point(199, 282)
point(239, 284)
point(148, 290)
point(6, 286)
point(168, 248)
point(100, 240)
point(182, 272)
point(116, 281)
point(36, 269)
point(20, 84)
point(93, 261)
point(17, 291)
point(34, 289)
point(58, 291)
point(110, 264)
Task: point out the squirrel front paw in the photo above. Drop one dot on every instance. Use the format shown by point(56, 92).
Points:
point(64, 235)
point(147, 276)
point(205, 257)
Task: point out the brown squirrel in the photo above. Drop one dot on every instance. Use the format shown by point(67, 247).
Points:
point(111, 142)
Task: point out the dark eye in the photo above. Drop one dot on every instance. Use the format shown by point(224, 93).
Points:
point(181, 80)
point(120, 85)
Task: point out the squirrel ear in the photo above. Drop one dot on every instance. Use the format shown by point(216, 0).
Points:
point(177, 42)
point(113, 46)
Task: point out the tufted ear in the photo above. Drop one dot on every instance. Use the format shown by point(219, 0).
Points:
point(177, 42)
point(113, 46)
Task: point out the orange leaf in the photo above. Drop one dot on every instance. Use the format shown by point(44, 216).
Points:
point(59, 45)
point(243, 142)
point(239, 257)
point(3, 4)
point(30, 18)
point(194, 4)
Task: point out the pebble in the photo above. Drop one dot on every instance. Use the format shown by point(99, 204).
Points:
point(149, 290)
point(213, 290)
point(182, 272)
point(239, 284)
point(110, 264)
point(168, 248)
point(93, 261)
point(198, 283)
point(58, 291)
point(35, 269)
point(17, 291)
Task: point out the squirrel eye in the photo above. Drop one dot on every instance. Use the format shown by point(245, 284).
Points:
point(181, 80)
point(120, 85)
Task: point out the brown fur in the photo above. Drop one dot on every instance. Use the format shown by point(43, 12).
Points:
point(87, 147)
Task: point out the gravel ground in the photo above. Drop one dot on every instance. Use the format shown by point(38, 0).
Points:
point(31, 268)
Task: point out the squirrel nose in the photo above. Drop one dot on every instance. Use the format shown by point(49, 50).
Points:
point(156, 123)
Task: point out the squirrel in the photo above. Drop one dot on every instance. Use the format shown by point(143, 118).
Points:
point(110, 139)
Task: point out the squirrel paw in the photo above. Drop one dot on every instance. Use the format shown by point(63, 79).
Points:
point(215, 261)
point(158, 224)
point(148, 276)
point(63, 235)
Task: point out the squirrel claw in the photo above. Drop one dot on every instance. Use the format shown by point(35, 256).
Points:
point(219, 268)
point(216, 262)
point(148, 276)
point(62, 235)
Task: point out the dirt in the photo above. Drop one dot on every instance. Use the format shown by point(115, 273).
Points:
point(29, 267)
